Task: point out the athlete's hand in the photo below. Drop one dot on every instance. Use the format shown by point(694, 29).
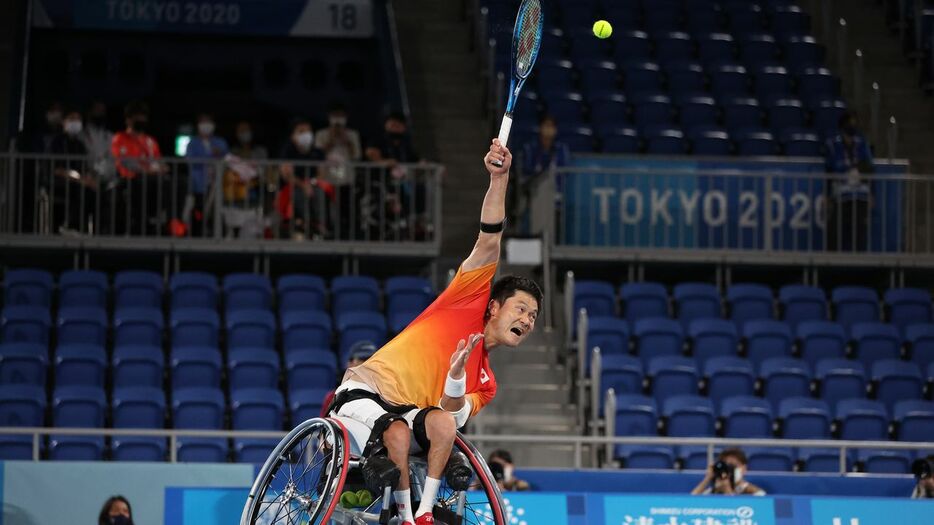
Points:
point(459, 358)
point(500, 153)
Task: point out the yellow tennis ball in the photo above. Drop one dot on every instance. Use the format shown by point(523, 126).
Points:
point(602, 29)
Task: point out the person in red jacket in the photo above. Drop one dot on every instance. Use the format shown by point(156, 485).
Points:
point(136, 155)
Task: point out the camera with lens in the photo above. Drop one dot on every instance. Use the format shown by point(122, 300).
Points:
point(922, 468)
point(724, 470)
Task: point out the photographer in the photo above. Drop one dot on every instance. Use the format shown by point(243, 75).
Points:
point(923, 469)
point(726, 476)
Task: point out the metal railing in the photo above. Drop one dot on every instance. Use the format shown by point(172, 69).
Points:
point(579, 443)
point(257, 203)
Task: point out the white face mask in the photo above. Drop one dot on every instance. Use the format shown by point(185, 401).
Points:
point(338, 121)
point(304, 139)
point(72, 127)
point(245, 137)
point(508, 472)
point(737, 475)
point(205, 128)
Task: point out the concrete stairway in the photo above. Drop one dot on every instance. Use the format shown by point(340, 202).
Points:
point(446, 95)
point(886, 64)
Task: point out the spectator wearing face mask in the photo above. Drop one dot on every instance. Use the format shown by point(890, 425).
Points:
point(54, 116)
point(390, 197)
point(201, 175)
point(97, 140)
point(848, 154)
point(116, 511)
point(243, 182)
point(500, 461)
point(303, 199)
point(727, 476)
point(539, 157)
point(136, 155)
point(72, 187)
point(341, 146)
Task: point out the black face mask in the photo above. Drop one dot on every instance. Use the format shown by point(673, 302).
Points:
point(120, 519)
point(140, 126)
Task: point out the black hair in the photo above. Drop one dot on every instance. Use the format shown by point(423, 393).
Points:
point(136, 107)
point(206, 114)
point(547, 117)
point(337, 106)
point(104, 517)
point(734, 453)
point(501, 454)
point(396, 115)
point(507, 286)
point(298, 121)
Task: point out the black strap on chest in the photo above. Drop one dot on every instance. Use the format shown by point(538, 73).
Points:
point(353, 394)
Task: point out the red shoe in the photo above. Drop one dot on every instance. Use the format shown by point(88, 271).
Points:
point(425, 519)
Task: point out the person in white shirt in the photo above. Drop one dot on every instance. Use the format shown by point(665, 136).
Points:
point(728, 476)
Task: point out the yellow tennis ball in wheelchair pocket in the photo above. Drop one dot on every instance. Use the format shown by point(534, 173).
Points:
point(602, 29)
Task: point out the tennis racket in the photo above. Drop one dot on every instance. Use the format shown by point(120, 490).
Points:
point(526, 39)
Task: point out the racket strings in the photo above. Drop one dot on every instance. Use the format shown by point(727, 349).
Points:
point(529, 38)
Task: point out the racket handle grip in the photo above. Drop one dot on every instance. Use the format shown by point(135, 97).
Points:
point(504, 129)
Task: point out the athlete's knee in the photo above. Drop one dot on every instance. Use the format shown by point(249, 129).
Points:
point(396, 436)
point(440, 425)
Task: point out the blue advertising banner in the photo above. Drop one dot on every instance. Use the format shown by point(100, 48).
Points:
point(681, 510)
point(329, 18)
point(840, 511)
point(684, 204)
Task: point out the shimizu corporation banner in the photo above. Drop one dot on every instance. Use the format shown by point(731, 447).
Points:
point(680, 510)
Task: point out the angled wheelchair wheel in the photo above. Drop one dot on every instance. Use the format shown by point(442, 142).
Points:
point(302, 479)
point(483, 505)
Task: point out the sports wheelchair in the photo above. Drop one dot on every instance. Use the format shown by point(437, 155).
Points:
point(305, 475)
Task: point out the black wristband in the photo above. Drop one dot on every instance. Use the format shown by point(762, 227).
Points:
point(492, 228)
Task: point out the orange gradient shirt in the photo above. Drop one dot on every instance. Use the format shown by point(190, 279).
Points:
point(411, 369)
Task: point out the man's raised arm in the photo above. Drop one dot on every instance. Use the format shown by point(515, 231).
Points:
point(493, 213)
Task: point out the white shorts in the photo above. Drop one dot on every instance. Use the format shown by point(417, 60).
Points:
point(360, 415)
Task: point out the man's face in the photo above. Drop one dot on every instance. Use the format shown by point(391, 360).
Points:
point(548, 129)
point(511, 322)
point(395, 126)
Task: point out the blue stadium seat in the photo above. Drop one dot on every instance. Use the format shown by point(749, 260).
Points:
point(254, 451)
point(765, 338)
point(874, 341)
point(399, 320)
point(802, 51)
point(784, 377)
point(644, 456)
point(82, 326)
point(801, 143)
point(193, 290)
point(255, 409)
point(300, 292)
point(908, 306)
point(749, 302)
point(802, 303)
point(640, 76)
point(664, 140)
point(139, 407)
point(741, 112)
point(789, 19)
point(251, 328)
point(703, 16)
point(558, 74)
point(411, 294)
point(620, 140)
point(579, 139)
point(746, 416)
point(566, 107)
point(672, 375)
point(685, 76)
point(360, 326)
point(652, 109)
point(611, 334)
point(822, 460)
point(711, 142)
point(23, 363)
point(306, 403)
point(553, 43)
point(673, 45)
point(915, 420)
point(785, 113)
point(195, 327)
point(80, 364)
point(78, 407)
point(696, 301)
point(252, 368)
point(855, 304)
point(597, 297)
point(138, 325)
point(27, 287)
point(689, 416)
point(311, 369)
point(804, 418)
point(138, 365)
point(622, 373)
point(662, 17)
point(758, 48)
point(632, 44)
point(83, 289)
point(771, 81)
point(694, 457)
point(203, 409)
point(608, 111)
point(921, 339)
point(697, 110)
point(247, 291)
point(636, 416)
point(305, 329)
point(840, 379)
point(770, 459)
point(744, 17)
point(25, 324)
point(825, 114)
point(862, 419)
point(817, 82)
point(885, 461)
point(728, 377)
point(729, 80)
point(755, 142)
point(354, 294)
point(21, 405)
point(895, 380)
point(711, 337)
point(137, 289)
point(821, 340)
point(715, 48)
point(658, 336)
point(196, 366)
